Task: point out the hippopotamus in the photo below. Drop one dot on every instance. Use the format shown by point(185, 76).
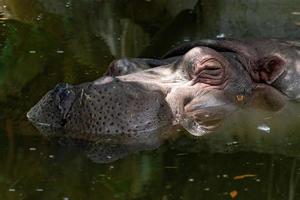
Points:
point(196, 86)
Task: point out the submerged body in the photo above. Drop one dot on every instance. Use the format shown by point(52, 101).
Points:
point(194, 86)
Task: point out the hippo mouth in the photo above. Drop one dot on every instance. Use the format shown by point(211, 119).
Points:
point(32, 120)
point(46, 129)
point(43, 124)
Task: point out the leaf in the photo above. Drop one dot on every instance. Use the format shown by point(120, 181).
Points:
point(244, 176)
point(233, 194)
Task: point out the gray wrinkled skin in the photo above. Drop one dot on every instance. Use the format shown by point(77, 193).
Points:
point(195, 86)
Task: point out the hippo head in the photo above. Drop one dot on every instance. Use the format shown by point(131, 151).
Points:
point(196, 90)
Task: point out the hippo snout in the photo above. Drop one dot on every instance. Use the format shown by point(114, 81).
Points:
point(105, 106)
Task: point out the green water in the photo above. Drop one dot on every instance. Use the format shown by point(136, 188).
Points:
point(43, 42)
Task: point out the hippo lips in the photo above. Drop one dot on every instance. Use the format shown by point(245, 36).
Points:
point(42, 124)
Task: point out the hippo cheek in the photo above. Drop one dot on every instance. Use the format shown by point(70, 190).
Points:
point(206, 114)
point(200, 112)
point(267, 98)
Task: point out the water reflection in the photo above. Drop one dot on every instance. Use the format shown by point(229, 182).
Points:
point(45, 42)
point(165, 173)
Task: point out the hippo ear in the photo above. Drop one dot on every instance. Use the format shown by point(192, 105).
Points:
point(270, 68)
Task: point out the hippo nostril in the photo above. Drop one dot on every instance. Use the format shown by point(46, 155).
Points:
point(62, 98)
point(113, 69)
point(121, 67)
point(60, 86)
point(64, 94)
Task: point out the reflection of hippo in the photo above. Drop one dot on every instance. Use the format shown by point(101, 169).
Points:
point(195, 86)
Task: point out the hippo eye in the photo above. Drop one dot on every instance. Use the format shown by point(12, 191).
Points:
point(209, 72)
point(60, 87)
point(62, 91)
point(63, 95)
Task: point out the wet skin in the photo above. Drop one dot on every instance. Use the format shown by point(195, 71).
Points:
point(194, 86)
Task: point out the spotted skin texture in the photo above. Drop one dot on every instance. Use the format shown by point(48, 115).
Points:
point(118, 108)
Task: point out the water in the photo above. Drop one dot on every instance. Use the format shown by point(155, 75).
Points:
point(253, 156)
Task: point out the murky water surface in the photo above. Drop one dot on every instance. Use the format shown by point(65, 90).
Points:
point(253, 156)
